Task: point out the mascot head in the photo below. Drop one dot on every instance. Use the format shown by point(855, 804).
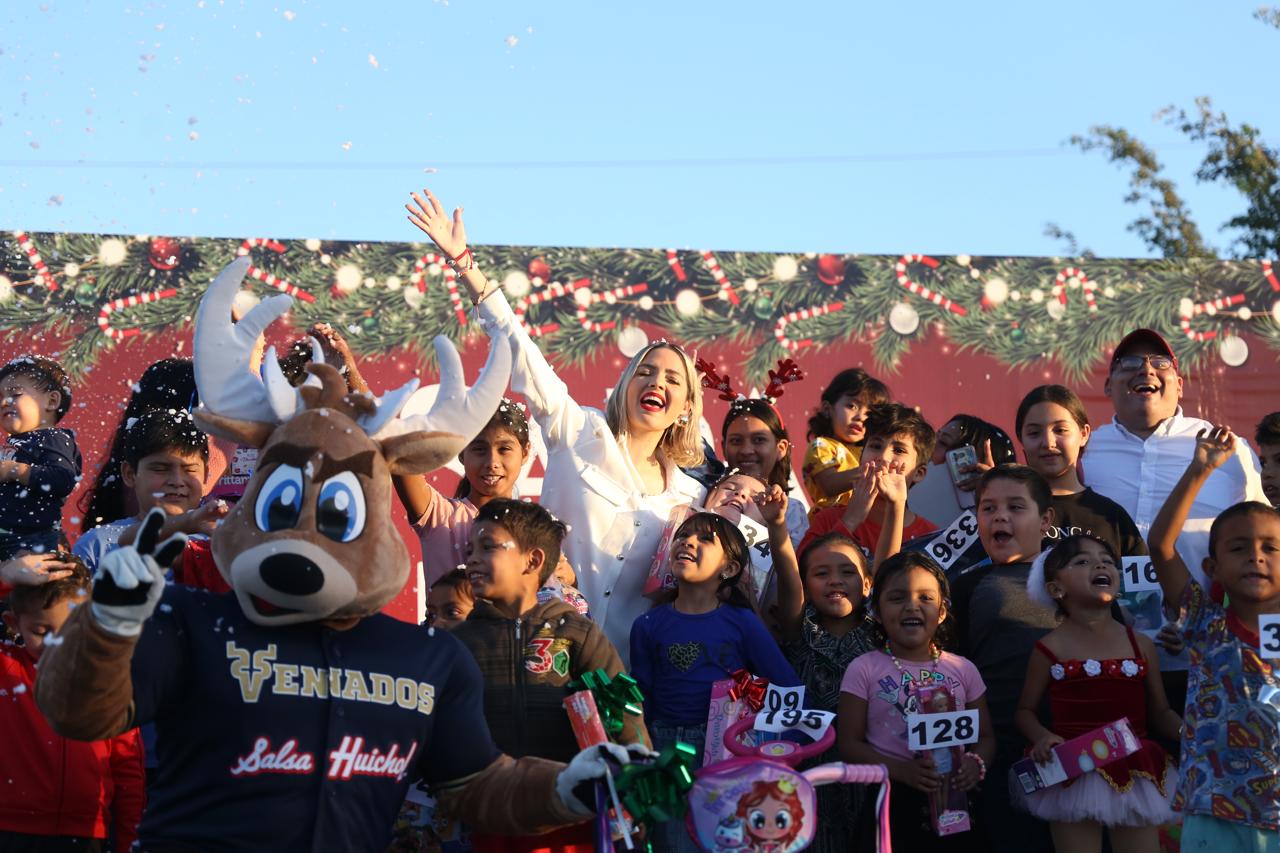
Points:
point(312, 538)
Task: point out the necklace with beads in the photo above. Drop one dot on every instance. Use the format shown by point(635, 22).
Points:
point(935, 654)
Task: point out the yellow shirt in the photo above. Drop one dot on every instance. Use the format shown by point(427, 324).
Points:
point(828, 454)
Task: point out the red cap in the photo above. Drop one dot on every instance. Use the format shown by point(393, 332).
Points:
point(1144, 336)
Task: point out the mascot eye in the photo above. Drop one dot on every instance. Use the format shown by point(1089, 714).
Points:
point(279, 500)
point(783, 819)
point(340, 515)
point(757, 819)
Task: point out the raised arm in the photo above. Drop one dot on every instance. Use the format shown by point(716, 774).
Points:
point(1213, 448)
point(560, 417)
point(892, 484)
point(773, 509)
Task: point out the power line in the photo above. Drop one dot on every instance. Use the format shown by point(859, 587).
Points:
point(460, 165)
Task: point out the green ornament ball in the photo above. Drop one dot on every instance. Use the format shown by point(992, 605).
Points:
point(369, 324)
point(86, 293)
point(762, 307)
point(1018, 335)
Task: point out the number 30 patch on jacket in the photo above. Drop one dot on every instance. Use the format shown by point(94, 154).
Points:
point(547, 654)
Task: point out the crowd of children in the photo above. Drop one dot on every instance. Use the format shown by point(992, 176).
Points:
point(1038, 636)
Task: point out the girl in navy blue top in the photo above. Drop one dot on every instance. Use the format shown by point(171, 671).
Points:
point(708, 632)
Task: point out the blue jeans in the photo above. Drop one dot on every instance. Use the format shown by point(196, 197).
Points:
point(673, 836)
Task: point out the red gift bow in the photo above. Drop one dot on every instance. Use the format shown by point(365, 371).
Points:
point(748, 688)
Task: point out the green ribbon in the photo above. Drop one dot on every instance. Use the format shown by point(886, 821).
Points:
point(615, 698)
point(656, 792)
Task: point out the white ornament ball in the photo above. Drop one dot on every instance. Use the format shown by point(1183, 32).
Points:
point(244, 301)
point(1073, 283)
point(1056, 309)
point(370, 281)
point(112, 252)
point(394, 282)
point(996, 290)
point(750, 285)
point(646, 303)
point(1015, 295)
point(688, 303)
point(1186, 307)
point(6, 288)
point(963, 260)
point(1109, 292)
point(71, 270)
point(516, 283)
point(785, 268)
point(1245, 313)
point(1233, 351)
point(313, 245)
point(631, 340)
point(325, 259)
point(413, 297)
point(973, 273)
point(903, 318)
point(1037, 296)
point(347, 278)
point(582, 296)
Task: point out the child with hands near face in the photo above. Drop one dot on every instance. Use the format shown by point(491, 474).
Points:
point(1096, 670)
point(1225, 792)
point(909, 603)
point(836, 434)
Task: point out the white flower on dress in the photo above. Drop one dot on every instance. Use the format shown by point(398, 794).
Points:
point(1129, 668)
point(1057, 672)
point(1092, 667)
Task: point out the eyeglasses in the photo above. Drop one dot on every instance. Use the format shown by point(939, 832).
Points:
point(1135, 362)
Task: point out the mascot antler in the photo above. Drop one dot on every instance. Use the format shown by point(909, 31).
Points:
point(714, 381)
point(786, 372)
point(313, 538)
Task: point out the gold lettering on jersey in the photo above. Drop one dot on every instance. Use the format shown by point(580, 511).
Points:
point(259, 670)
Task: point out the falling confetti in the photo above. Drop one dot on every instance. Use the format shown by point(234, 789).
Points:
point(289, 14)
point(346, 146)
point(373, 60)
point(511, 41)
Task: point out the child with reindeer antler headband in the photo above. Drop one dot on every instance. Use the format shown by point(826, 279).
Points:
point(754, 437)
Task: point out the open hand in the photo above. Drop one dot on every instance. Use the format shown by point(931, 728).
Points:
point(773, 506)
point(450, 236)
point(865, 491)
point(891, 481)
point(35, 569)
point(1214, 447)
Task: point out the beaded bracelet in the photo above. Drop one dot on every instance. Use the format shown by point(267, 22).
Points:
point(456, 263)
point(982, 765)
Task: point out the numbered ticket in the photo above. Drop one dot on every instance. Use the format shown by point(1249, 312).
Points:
point(1269, 635)
point(941, 730)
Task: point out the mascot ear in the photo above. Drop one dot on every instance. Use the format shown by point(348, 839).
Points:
point(420, 452)
point(248, 433)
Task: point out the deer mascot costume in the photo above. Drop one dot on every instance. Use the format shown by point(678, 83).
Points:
point(290, 714)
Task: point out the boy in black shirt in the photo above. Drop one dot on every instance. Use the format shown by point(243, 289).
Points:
point(39, 463)
point(998, 625)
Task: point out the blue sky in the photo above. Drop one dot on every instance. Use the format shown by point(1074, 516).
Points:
point(841, 126)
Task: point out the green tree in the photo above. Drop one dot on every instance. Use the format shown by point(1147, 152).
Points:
point(1237, 156)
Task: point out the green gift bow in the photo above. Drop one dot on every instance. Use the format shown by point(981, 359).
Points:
point(615, 698)
point(656, 792)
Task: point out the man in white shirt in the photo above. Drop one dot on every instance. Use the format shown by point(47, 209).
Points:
point(1137, 458)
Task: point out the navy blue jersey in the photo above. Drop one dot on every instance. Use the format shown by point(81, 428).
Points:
point(299, 737)
point(55, 469)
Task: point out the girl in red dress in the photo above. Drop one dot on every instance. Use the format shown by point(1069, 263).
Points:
point(1096, 670)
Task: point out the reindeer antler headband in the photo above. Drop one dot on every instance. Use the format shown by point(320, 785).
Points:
point(784, 373)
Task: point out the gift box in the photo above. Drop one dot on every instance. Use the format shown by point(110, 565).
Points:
point(948, 806)
point(731, 700)
point(1079, 756)
point(660, 578)
point(584, 719)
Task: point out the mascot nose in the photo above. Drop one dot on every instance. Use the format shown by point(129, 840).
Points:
point(292, 574)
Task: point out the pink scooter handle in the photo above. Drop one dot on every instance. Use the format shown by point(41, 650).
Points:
point(777, 750)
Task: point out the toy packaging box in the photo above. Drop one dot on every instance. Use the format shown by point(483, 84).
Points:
point(948, 806)
point(1079, 756)
point(660, 579)
point(722, 713)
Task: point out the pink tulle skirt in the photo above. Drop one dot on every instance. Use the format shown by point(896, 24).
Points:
point(1092, 797)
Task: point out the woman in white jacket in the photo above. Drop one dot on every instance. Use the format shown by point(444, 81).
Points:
point(612, 476)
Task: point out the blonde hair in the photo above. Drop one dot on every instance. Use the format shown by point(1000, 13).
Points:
point(682, 445)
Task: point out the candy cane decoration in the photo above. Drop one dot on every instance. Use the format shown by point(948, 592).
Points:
point(267, 278)
point(43, 276)
point(1206, 308)
point(450, 281)
point(1269, 274)
point(104, 314)
point(779, 330)
point(609, 296)
point(1060, 287)
point(920, 290)
point(674, 262)
point(553, 291)
point(713, 266)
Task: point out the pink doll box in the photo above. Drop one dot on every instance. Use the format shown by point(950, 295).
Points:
point(1079, 756)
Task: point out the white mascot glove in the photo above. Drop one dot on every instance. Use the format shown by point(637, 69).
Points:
point(574, 784)
point(129, 581)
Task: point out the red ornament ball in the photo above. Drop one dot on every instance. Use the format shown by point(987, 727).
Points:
point(830, 269)
point(165, 253)
point(539, 268)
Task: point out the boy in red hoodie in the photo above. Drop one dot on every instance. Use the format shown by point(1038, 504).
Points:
point(62, 794)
